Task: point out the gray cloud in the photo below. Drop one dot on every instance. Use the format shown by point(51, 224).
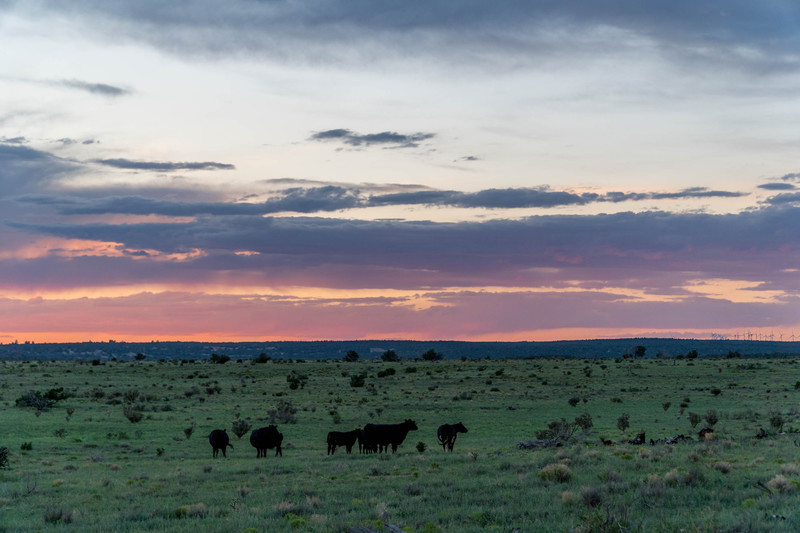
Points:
point(102, 89)
point(163, 166)
point(759, 245)
point(746, 35)
point(339, 197)
point(785, 198)
point(777, 187)
point(14, 140)
point(389, 138)
point(795, 176)
point(24, 169)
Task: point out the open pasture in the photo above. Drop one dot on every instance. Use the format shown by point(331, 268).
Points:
point(84, 465)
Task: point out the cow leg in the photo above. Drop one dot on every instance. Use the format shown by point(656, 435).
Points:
point(394, 448)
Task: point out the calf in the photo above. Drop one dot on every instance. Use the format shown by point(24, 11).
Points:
point(219, 441)
point(342, 438)
point(447, 434)
point(266, 438)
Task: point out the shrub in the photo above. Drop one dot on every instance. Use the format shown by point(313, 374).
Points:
point(387, 372)
point(390, 356)
point(240, 427)
point(624, 422)
point(574, 401)
point(219, 359)
point(188, 431)
point(711, 417)
point(132, 414)
point(284, 412)
point(4, 452)
point(432, 355)
point(694, 419)
point(357, 380)
point(421, 447)
point(54, 515)
point(351, 356)
point(560, 473)
point(591, 496)
point(584, 421)
point(666, 405)
point(296, 380)
point(261, 359)
point(776, 420)
point(36, 400)
point(26, 446)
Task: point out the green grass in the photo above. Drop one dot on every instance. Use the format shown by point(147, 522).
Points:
point(97, 471)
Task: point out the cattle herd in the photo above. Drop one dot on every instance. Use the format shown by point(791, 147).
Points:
point(372, 438)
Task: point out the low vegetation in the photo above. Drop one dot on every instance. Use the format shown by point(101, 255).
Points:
point(112, 447)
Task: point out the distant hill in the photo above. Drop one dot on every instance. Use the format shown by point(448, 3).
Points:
point(372, 349)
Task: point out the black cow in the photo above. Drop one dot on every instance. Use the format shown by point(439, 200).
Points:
point(219, 441)
point(447, 434)
point(342, 438)
point(365, 445)
point(382, 435)
point(263, 439)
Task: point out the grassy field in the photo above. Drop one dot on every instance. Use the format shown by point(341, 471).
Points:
point(82, 465)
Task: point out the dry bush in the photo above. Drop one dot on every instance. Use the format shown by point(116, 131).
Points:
point(560, 473)
point(790, 469)
point(58, 515)
point(591, 496)
point(781, 484)
point(722, 466)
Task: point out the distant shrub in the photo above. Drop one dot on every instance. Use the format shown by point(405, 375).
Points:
point(26, 446)
point(694, 419)
point(40, 402)
point(776, 420)
point(4, 459)
point(284, 413)
point(432, 355)
point(716, 391)
point(666, 405)
point(357, 380)
point(591, 496)
point(351, 356)
point(219, 359)
point(386, 372)
point(390, 356)
point(132, 414)
point(584, 421)
point(574, 401)
point(413, 369)
point(711, 417)
point(421, 447)
point(296, 380)
point(261, 359)
point(240, 427)
point(623, 422)
point(188, 431)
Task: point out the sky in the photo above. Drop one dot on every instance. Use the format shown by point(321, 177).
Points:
point(473, 170)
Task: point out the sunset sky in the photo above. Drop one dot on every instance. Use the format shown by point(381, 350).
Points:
point(354, 169)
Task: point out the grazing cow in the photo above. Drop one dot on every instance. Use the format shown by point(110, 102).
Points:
point(219, 441)
point(640, 439)
point(762, 433)
point(263, 439)
point(342, 438)
point(447, 434)
point(382, 435)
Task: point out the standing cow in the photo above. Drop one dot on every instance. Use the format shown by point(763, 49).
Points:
point(364, 445)
point(266, 438)
point(219, 441)
point(342, 438)
point(447, 434)
point(382, 435)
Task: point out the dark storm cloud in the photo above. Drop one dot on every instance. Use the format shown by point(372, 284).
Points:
point(386, 138)
point(163, 166)
point(102, 89)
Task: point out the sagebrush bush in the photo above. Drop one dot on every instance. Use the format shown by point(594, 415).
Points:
point(560, 473)
point(4, 459)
